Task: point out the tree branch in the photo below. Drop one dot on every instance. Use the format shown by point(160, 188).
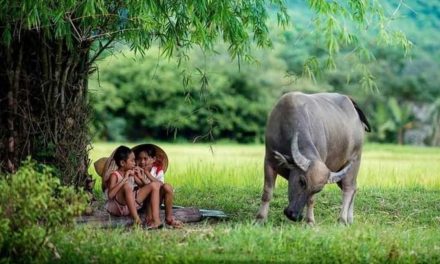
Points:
point(90, 62)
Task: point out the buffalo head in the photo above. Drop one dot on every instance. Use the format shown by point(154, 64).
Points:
point(306, 178)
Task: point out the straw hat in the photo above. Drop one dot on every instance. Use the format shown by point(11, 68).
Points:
point(100, 165)
point(161, 156)
point(104, 166)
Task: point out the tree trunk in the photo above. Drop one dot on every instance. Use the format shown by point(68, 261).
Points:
point(400, 133)
point(44, 109)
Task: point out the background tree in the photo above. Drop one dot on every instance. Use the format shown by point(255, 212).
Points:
point(139, 98)
point(48, 50)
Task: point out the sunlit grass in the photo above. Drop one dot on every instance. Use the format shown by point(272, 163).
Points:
point(400, 166)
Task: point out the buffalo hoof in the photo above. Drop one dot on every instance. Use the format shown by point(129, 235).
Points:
point(260, 220)
point(343, 221)
point(310, 223)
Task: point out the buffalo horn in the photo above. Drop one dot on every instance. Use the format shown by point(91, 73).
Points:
point(337, 176)
point(302, 162)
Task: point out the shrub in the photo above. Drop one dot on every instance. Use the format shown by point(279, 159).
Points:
point(34, 205)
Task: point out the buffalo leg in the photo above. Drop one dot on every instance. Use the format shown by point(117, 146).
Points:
point(270, 176)
point(348, 187)
point(347, 202)
point(350, 210)
point(310, 217)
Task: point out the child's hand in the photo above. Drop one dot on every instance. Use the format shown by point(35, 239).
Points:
point(138, 171)
point(129, 173)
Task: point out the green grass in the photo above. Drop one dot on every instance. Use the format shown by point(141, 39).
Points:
point(397, 213)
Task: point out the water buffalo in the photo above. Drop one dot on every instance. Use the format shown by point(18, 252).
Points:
point(311, 140)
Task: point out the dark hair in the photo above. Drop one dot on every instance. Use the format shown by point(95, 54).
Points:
point(121, 154)
point(151, 151)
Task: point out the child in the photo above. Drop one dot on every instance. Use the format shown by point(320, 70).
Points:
point(122, 199)
point(152, 172)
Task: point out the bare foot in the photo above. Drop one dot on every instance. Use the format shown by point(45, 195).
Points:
point(149, 221)
point(153, 227)
point(137, 222)
point(174, 223)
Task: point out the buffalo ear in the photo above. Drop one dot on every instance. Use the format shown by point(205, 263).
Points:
point(283, 160)
point(297, 160)
point(337, 176)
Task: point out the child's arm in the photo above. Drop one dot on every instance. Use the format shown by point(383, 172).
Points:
point(115, 187)
point(138, 180)
point(141, 177)
point(150, 176)
point(138, 177)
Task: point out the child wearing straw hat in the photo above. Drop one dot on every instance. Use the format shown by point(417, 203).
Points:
point(122, 199)
point(152, 171)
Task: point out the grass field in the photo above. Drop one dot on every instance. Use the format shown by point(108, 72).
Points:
point(397, 213)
